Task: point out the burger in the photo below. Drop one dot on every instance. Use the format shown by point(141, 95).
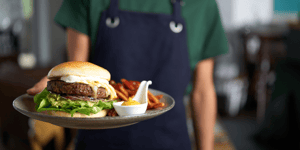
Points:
point(76, 89)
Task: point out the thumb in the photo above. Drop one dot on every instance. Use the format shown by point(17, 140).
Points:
point(38, 87)
point(32, 91)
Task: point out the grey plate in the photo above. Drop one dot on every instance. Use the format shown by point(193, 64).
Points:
point(25, 105)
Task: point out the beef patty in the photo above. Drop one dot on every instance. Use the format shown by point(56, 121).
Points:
point(74, 89)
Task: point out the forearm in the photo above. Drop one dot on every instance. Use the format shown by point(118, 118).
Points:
point(204, 117)
point(78, 45)
point(204, 104)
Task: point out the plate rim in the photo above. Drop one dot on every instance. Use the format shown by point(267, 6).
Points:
point(106, 118)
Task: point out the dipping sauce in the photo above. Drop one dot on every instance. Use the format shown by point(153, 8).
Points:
point(130, 102)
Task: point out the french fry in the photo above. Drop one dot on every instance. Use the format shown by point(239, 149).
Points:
point(127, 89)
point(152, 97)
point(115, 86)
point(109, 113)
point(150, 104)
point(136, 84)
point(127, 84)
point(112, 82)
point(122, 89)
point(112, 113)
point(159, 96)
point(130, 92)
point(158, 105)
point(121, 95)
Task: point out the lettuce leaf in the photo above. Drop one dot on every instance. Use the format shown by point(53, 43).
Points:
point(49, 101)
point(38, 98)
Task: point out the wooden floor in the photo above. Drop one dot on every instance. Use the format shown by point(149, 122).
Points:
point(240, 130)
point(222, 139)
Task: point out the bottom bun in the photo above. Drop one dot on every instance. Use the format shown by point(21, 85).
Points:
point(102, 113)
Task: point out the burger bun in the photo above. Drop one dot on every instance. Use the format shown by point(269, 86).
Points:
point(102, 113)
point(79, 68)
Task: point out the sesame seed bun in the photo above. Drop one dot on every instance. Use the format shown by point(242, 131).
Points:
point(79, 68)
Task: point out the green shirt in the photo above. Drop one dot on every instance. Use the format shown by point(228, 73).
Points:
point(205, 35)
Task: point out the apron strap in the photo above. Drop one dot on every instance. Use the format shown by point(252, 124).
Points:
point(113, 8)
point(176, 10)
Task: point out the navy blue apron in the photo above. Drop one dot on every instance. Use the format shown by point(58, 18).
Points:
point(143, 46)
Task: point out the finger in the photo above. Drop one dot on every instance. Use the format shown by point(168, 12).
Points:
point(38, 87)
point(35, 90)
point(31, 91)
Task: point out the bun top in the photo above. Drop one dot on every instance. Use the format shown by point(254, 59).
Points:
point(79, 68)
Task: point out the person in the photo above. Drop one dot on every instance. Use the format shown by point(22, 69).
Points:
point(163, 41)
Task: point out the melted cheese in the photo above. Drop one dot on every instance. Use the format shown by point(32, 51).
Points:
point(95, 83)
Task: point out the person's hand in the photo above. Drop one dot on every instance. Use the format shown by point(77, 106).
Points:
point(38, 87)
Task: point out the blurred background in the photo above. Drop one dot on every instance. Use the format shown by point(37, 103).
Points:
point(264, 43)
